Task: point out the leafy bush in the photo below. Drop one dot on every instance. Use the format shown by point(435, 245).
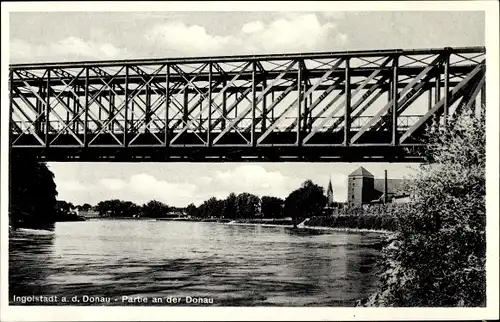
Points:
point(438, 256)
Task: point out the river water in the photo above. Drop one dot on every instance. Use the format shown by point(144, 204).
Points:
point(200, 263)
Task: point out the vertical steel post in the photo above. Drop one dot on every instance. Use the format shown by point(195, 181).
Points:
point(310, 117)
point(38, 106)
point(110, 105)
point(224, 107)
point(429, 100)
point(304, 114)
point(395, 101)
point(264, 111)
point(99, 111)
point(446, 89)
point(437, 88)
point(75, 112)
point(185, 105)
point(389, 91)
point(132, 115)
point(298, 141)
point(86, 109)
point(272, 110)
point(68, 103)
point(148, 108)
point(167, 104)
point(47, 110)
point(347, 111)
point(125, 118)
point(76, 108)
point(209, 126)
point(254, 105)
point(11, 104)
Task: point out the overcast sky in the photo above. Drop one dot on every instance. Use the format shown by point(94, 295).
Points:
point(59, 36)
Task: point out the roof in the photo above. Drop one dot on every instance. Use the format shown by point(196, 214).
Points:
point(361, 172)
point(394, 186)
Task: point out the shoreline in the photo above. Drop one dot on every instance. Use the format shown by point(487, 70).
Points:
point(235, 223)
point(341, 229)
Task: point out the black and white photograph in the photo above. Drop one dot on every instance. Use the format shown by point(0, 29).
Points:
point(266, 156)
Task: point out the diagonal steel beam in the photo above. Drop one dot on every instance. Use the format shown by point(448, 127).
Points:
point(320, 99)
point(31, 122)
point(233, 105)
point(134, 94)
point(258, 99)
point(401, 98)
point(296, 101)
point(469, 98)
point(359, 102)
point(205, 97)
point(455, 93)
point(353, 95)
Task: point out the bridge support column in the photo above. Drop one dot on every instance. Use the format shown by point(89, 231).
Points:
point(298, 141)
point(395, 80)
point(224, 107)
point(125, 107)
point(11, 105)
point(209, 125)
point(446, 90)
point(254, 105)
point(147, 117)
point(39, 111)
point(185, 106)
point(264, 110)
point(86, 109)
point(347, 111)
point(167, 105)
point(47, 110)
point(437, 96)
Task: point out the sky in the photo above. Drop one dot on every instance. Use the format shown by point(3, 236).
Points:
point(72, 36)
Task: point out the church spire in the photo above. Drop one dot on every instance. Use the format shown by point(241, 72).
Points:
point(329, 192)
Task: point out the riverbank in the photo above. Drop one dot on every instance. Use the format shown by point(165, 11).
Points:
point(280, 223)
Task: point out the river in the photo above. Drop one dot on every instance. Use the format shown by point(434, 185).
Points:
point(229, 265)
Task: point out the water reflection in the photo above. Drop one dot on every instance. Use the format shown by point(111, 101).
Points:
point(234, 265)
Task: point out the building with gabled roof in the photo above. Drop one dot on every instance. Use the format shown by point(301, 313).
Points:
point(363, 188)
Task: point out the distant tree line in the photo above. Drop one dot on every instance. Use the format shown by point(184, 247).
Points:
point(308, 200)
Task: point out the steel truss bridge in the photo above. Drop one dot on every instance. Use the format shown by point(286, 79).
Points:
point(335, 106)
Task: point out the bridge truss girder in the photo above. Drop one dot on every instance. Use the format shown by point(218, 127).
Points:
point(363, 106)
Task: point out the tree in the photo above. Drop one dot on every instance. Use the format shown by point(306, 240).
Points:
point(154, 209)
point(307, 201)
point(271, 207)
point(117, 208)
point(32, 193)
point(85, 207)
point(230, 208)
point(247, 205)
point(191, 210)
point(212, 208)
point(64, 206)
point(438, 257)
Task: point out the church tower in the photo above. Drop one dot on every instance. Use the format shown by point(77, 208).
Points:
point(329, 193)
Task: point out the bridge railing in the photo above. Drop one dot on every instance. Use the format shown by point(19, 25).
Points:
point(22, 126)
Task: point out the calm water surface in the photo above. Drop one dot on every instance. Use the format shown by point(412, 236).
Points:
point(233, 265)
